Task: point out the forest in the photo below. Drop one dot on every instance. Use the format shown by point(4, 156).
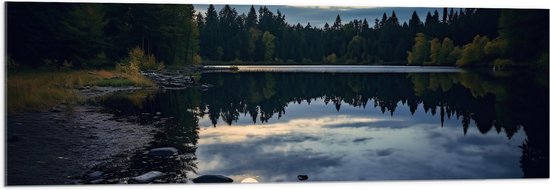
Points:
point(77, 35)
point(88, 35)
point(464, 37)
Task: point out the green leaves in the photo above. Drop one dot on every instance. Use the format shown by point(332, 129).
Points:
point(420, 51)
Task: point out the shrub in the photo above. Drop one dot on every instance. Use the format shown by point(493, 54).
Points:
point(331, 59)
point(137, 60)
point(197, 60)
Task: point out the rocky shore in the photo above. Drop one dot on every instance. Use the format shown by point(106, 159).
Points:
point(55, 146)
point(176, 79)
point(85, 144)
point(67, 144)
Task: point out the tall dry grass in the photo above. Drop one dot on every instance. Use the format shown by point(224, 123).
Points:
point(42, 89)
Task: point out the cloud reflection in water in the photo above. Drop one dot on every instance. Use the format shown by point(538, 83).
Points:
point(355, 144)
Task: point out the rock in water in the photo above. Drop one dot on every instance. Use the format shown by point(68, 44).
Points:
point(148, 177)
point(163, 152)
point(212, 179)
point(95, 175)
point(302, 177)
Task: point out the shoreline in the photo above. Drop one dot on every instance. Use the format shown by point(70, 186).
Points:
point(333, 68)
point(59, 145)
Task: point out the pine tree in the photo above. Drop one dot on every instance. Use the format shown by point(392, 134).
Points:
point(251, 18)
point(337, 23)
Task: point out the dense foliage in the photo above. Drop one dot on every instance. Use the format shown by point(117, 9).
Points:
point(449, 39)
point(99, 35)
point(522, 39)
point(81, 35)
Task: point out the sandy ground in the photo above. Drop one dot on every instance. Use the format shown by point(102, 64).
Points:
point(57, 145)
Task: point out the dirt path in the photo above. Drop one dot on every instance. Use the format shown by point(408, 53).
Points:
point(53, 146)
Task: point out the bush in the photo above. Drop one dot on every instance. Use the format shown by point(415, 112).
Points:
point(197, 60)
point(137, 60)
point(330, 59)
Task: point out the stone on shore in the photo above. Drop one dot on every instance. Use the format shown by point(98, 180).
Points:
point(148, 177)
point(212, 179)
point(163, 152)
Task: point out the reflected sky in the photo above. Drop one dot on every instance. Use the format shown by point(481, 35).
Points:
point(354, 143)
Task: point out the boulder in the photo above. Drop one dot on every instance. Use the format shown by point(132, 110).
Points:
point(148, 177)
point(163, 152)
point(212, 179)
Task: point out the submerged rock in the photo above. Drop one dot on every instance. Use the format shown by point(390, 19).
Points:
point(148, 177)
point(163, 152)
point(212, 179)
point(302, 177)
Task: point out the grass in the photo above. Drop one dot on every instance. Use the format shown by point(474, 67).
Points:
point(34, 90)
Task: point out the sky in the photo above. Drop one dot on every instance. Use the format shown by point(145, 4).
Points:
point(317, 16)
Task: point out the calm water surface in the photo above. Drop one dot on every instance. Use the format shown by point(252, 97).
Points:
point(273, 126)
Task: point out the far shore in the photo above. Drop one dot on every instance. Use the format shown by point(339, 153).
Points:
point(333, 68)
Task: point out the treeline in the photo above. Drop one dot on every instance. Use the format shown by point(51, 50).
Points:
point(83, 35)
point(265, 36)
point(522, 40)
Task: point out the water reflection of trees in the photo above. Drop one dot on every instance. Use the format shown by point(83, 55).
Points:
point(466, 96)
point(504, 103)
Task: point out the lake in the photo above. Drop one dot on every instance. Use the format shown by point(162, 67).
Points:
point(271, 126)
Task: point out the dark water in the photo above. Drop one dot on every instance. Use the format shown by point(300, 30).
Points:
point(271, 127)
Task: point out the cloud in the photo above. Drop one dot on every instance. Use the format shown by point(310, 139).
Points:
point(326, 145)
point(385, 152)
point(357, 140)
point(389, 124)
point(319, 15)
point(269, 165)
point(341, 8)
point(245, 132)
